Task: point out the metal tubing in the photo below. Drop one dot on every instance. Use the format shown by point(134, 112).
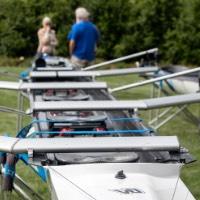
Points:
point(88, 144)
point(121, 59)
point(157, 111)
point(191, 117)
point(160, 115)
point(20, 108)
point(124, 71)
point(11, 110)
point(170, 117)
point(151, 96)
point(23, 189)
point(133, 85)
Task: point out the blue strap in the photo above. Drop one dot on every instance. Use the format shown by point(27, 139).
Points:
point(2, 154)
point(39, 170)
point(24, 131)
point(42, 172)
point(161, 84)
point(125, 119)
point(25, 73)
point(170, 85)
point(24, 157)
point(9, 170)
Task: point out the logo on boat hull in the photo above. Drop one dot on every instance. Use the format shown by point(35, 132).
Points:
point(128, 191)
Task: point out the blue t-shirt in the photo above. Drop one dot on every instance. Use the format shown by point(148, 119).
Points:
point(85, 35)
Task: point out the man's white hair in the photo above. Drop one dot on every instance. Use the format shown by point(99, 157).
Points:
point(82, 13)
point(46, 20)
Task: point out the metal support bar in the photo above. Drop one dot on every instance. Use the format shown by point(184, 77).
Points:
point(160, 115)
point(106, 105)
point(25, 95)
point(88, 144)
point(192, 118)
point(24, 190)
point(20, 108)
point(170, 117)
point(8, 74)
point(11, 110)
point(121, 59)
point(21, 193)
point(157, 111)
point(151, 96)
point(134, 85)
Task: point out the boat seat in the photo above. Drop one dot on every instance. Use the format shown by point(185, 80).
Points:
point(79, 97)
point(97, 118)
point(85, 158)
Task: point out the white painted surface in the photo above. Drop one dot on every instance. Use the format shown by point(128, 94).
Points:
point(155, 181)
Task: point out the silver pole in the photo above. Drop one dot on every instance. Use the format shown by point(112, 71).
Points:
point(121, 59)
point(12, 110)
point(23, 189)
point(170, 117)
point(21, 109)
point(160, 115)
point(152, 95)
point(133, 85)
point(18, 107)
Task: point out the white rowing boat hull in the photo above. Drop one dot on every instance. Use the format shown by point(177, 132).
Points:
point(144, 181)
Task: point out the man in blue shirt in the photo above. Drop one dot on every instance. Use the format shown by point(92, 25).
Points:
point(83, 39)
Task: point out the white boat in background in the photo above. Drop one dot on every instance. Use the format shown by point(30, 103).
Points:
point(183, 84)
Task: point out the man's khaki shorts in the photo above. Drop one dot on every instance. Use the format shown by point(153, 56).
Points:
point(79, 63)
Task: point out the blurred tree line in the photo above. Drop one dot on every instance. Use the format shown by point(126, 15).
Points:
point(126, 26)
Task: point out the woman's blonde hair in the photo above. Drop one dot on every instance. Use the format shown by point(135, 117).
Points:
point(46, 20)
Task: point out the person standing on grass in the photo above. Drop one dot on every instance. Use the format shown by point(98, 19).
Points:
point(47, 38)
point(83, 39)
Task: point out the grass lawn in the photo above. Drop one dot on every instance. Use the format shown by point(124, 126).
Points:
point(188, 134)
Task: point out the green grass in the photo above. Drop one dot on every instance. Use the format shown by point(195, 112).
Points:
point(8, 127)
point(188, 134)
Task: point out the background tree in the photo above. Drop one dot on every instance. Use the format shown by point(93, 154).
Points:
point(126, 26)
point(149, 22)
point(183, 43)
